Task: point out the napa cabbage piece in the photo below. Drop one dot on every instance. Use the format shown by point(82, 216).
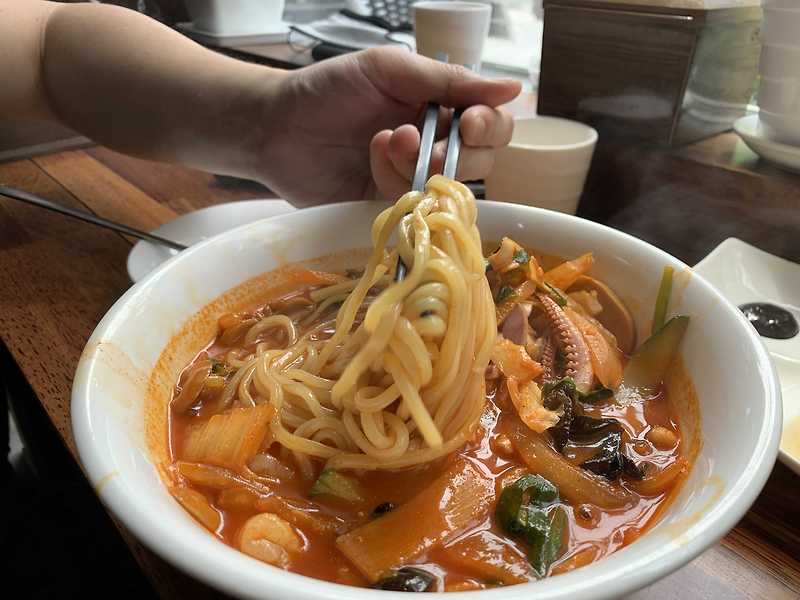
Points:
point(514, 361)
point(197, 505)
point(615, 316)
point(527, 399)
point(565, 274)
point(456, 500)
point(228, 439)
point(508, 256)
point(508, 297)
point(210, 476)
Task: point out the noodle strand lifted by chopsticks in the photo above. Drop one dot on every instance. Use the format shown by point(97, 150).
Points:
point(401, 380)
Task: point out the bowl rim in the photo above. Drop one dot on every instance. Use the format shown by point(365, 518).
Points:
point(622, 579)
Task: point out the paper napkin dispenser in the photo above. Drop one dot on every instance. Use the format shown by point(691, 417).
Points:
point(669, 71)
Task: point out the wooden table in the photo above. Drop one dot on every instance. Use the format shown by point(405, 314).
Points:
point(59, 277)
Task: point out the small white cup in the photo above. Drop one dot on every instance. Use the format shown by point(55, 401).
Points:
point(782, 4)
point(779, 107)
point(778, 62)
point(545, 164)
point(457, 29)
point(781, 26)
point(779, 95)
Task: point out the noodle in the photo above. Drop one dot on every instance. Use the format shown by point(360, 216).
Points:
point(400, 381)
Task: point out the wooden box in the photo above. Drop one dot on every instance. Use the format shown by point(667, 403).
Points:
point(670, 71)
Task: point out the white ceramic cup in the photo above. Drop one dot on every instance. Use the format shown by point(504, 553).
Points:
point(779, 95)
point(545, 164)
point(782, 4)
point(779, 62)
point(779, 114)
point(781, 26)
point(457, 29)
point(231, 17)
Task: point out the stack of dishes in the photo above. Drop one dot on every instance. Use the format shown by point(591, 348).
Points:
point(779, 92)
point(775, 132)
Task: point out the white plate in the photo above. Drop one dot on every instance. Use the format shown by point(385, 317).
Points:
point(783, 155)
point(743, 273)
point(199, 225)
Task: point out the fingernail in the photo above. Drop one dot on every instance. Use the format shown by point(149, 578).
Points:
point(480, 128)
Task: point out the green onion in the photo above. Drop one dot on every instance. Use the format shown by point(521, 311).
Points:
point(219, 368)
point(533, 489)
point(556, 294)
point(521, 257)
point(662, 300)
point(505, 292)
point(551, 544)
point(528, 508)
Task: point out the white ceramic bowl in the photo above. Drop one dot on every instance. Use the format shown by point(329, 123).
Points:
point(735, 381)
point(199, 225)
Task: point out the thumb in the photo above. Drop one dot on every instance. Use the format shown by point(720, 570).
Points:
point(415, 79)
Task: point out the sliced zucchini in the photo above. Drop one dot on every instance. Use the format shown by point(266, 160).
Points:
point(646, 369)
point(332, 483)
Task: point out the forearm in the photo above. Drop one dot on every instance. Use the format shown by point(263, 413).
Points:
point(134, 85)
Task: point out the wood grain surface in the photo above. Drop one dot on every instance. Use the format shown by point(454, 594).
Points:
point(60, 276)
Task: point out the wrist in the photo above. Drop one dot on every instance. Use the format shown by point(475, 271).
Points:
point(260, 120)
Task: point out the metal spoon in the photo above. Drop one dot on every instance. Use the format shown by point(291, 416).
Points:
point(29, 198)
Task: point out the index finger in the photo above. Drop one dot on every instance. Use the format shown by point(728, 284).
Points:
point(415, 79)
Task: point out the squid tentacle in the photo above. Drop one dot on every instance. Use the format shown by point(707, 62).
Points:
point(548, 358)
point(571, 343)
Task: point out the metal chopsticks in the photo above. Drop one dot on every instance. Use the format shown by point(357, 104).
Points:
point(426, 142)
point(88, 217)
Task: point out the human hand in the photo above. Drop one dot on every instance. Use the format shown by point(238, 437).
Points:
point(328, 122)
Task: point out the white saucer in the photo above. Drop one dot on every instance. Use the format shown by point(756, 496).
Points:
point(743, 273)
point(199, 225)
point(782, 155)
